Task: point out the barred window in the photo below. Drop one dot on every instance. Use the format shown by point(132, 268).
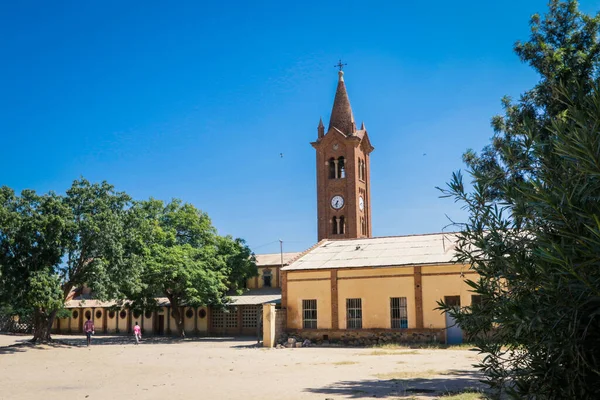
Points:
point(398, 313)
point(354, 313)
point(249, 316)
point(231, 317)
point(309, 314)
point(218, 318)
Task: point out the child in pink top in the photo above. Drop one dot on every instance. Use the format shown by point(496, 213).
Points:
point(137, 331)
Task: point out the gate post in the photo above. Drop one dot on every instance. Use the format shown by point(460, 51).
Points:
point(269, 325)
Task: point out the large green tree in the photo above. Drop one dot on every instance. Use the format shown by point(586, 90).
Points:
point(50, 245)
point(32, 231)
point(533, 232)
point(185, 260)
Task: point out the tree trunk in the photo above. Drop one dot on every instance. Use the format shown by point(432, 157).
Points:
point(176, 312)
point(42, 324)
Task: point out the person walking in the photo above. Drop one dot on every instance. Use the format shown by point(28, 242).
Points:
point(88, 328)
point(137, 331)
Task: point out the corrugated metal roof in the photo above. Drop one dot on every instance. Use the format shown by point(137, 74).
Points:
point(257, 296)
point(274, 259)
point(89, 303)
point(251, 297)
point(436, 248)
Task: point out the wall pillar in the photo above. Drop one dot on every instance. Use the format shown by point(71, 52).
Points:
point(208, 320)
point(129, 321)
point(196, 321)
point(334, 300)
point(239, 319)
point(283, 289)
point(69, 328)
point(418, 297)
point(168, 320)
point(81, 310)
point(105, 320)
point(269, 325)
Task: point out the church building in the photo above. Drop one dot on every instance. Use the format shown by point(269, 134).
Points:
point(351, 285)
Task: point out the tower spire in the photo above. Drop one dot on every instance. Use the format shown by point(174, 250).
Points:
point(321, 128)
point(341, 114)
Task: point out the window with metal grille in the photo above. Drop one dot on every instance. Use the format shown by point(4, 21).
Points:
point(249, 316)
point(398, 313)
point(309, 314)
point(218, 318)
point(354, 313)
point(231, 318)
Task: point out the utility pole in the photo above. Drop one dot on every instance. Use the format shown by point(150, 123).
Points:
point(281, 253)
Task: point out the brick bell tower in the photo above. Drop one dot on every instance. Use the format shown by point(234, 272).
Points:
point(343, 172)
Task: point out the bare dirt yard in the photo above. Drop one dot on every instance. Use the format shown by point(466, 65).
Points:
point(223, 368)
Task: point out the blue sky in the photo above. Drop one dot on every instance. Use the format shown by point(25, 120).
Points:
point(197, 100)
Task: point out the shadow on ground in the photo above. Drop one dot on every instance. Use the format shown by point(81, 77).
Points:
point(454, 381)
point(22, 342)
point(27, 345)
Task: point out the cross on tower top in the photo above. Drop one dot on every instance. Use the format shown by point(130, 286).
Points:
point(340, 65)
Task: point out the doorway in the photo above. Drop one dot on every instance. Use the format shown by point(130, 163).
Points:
point(454, 334)
point(160, 329)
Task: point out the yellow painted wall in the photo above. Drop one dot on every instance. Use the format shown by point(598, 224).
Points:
point(122, 321)
point(344, 273)
point(188, 323)
point(111, 323)
point(435, 287)
point(375, 294)
point(202, 322)
point(98, 322)
point(275, 278)
point(308, 290)
point(147, 323)
point(375, 290)
point(75, 321)
point(436, 269)
point(308, 275)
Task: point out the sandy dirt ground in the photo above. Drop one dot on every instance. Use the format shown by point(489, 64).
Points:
point(115, 368)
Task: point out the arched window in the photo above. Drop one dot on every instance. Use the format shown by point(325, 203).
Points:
point(364, 170)
point(341, 168)
point(338, 225)
point(88, 314)
point(332, 169)
point(361, 171)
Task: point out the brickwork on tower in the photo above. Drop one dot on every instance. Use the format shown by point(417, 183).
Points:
point(343, 173)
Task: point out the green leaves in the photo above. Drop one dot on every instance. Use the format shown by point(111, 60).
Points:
point(183, 258)
point(533, 231)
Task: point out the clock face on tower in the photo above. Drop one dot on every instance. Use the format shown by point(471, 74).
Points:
point(337, 202)
point(361, 203)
